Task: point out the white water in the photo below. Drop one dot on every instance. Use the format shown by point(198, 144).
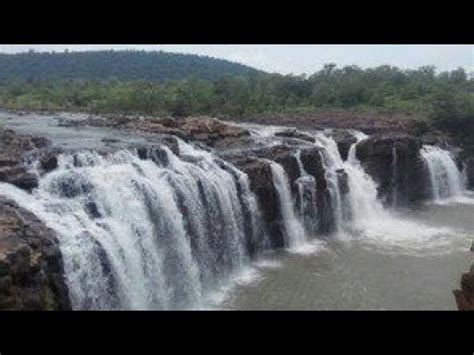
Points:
point(446, 180)
point(365, 217)
point(159, 233)
point(294, 231)
point(307, 199)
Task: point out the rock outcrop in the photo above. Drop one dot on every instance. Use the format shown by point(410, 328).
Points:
point(256, 164)
point(16, 150)
point(313, 165)
point(204, 129)
point(31, 266)
point(294, 133)
point(261, 183)
point(395, 163)
point(344, 139)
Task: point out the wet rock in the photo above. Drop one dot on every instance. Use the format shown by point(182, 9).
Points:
point(410, 175)
point(154, 152)
point(344, 139)
point(16, 150)
point(294, 133)
point(25, 181)
point(92, 209)
point(469, 166)
point(71, 185)
point(48, 162)
point(31, 266)
point(261, 183)
point(171, 142)
point(313, 165)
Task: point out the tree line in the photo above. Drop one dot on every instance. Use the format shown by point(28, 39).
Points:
point(443, 100)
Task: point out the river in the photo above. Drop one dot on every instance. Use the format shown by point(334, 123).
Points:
point(361, 275)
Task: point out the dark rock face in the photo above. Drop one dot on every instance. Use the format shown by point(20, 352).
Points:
point(49, 161)
point(255, 163)
point(465, 296)
point(313, 165)
point(469, 166)
point(12, 150)
point(344, 139)
point(395, 163)
point(31, 266)
point(261, 183)
point(285, 156)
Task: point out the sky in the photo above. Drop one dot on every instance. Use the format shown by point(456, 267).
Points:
point(299, 59)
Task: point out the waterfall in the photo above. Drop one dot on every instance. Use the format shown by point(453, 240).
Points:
point(445, 177)
point(362, 197)
point(359, 209)
point(332, 163)
point(294, 231)
point(149, 229)
point(146, 232)
point(307, 200)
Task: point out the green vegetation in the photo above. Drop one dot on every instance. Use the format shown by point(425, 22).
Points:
point(115, 65)
point(163, 83)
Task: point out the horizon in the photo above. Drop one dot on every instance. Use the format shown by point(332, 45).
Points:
point(298, 59)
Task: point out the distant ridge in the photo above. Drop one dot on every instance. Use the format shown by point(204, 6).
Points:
point(120, 65)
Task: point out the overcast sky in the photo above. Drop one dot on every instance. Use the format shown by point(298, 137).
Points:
point(298, 59)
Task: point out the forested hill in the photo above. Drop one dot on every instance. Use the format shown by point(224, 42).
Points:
point(119, 65)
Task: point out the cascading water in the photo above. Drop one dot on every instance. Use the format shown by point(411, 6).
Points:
point(446, 180)
point(358, 212)
point(333, 164)
point(147, 229)
point(307, 201)
point(154, 233)
point(294, 231)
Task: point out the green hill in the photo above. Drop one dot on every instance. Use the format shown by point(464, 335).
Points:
point(119, 65)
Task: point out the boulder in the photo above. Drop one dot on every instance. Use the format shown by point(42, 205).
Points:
point(31, 265)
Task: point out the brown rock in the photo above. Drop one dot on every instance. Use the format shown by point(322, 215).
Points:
point(31, 266)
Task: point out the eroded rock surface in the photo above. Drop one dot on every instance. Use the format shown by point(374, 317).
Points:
point(395, 163)
point(31, 266)
point(16, 150)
